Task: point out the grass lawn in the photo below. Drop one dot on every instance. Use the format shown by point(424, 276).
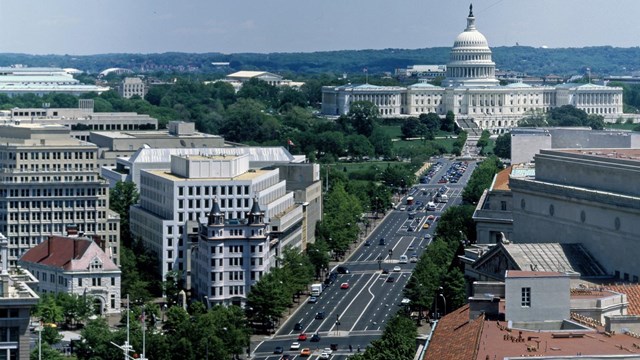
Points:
point(620, 126)
point(489, 148)
point(393, 131)
point(403, 144)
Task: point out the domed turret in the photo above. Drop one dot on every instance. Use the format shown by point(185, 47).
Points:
point(470, 61)
point(255, 215)
point(216, 217)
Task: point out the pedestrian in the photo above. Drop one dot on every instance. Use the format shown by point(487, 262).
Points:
point(358, 348)
point(350, 348)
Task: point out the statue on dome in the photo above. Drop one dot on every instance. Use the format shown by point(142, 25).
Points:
point(471, 10)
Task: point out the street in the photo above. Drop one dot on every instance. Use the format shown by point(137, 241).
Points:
point(356, 316)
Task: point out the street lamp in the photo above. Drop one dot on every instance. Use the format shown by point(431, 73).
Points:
point(444, 300)
point(380, 262)
point(39, 330)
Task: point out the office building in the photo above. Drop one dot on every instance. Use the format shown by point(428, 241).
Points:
point(131, 86)
point(48, 182)
point(17, 299)
point(230, 256)
point(175, 200)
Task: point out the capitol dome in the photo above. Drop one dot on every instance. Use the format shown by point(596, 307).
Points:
point(470, 62)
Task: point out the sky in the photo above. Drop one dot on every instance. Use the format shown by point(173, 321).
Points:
point(87, 27)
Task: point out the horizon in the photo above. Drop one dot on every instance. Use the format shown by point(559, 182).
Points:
point(71, 27)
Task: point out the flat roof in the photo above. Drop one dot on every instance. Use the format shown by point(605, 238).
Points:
point(532, 274)
point(621, 153)
point(152, 134)
point(249, 175)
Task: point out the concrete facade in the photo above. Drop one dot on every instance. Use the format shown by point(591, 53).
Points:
point(131, 86)
point(584, 196)
point(50, 181)
point(527, 142)
point(527, 294)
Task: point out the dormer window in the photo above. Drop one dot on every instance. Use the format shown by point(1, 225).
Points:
point(96, 264)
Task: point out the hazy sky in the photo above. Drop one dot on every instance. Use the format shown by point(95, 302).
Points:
point(81, 27)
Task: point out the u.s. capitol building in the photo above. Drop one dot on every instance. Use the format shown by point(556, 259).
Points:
point(471, 90)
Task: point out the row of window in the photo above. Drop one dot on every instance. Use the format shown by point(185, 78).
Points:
point(56, 192)
point(214, 190)
point(54, 155)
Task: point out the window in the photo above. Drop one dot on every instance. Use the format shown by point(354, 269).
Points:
point(526, 297)
point(503, 205)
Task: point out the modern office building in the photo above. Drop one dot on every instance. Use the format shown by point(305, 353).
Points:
point(40, 81)
point(131, 86)
point(179, 134)
point(230, 256)
point(175, 200)
point(471, 90)
point(50, 181)
point(16, 302)
point(75, 265)
point(81, 120)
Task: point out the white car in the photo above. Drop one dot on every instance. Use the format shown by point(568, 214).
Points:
point(397, 268)
point(405, 301)
point(295, 346)
point(328, 351)
point(324, 355)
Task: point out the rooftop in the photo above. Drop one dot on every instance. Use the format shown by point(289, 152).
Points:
point(532, 274)
point(622, 153)
point(249, 175)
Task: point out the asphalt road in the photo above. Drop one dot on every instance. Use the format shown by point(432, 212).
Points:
point(356, 316)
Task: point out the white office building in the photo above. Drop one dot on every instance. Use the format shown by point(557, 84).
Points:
point(176, 199)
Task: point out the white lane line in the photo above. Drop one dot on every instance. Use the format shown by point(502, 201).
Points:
point(373, 278)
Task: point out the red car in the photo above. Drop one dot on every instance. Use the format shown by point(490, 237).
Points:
point(344, 285)
point(302, 337)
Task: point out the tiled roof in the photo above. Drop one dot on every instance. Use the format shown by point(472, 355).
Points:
point(633, 296)
point(68, 254)
point(455, 336)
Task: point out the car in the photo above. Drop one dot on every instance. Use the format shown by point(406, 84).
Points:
point(431, 217)
point(315, 337)
point(324, 355)
point(367, 243)
point(342, 270)
point(410, 228)
point(320, 315)
point(305, 352)
point(344, 285)
point(381, 241)
point(385, 271)
point(278, 350)
point(403, 259)
point(405, 301)
point(285, 357)
point(333, 347)
point(302, 337)
point(295, 346)
point(297, 326)
point(391, 279)
point(312, 300)
point(425, 226)
point(411, 248)
point(428, 236)
point(397, 268)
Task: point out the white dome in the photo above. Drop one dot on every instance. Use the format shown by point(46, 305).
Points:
point(471, 38)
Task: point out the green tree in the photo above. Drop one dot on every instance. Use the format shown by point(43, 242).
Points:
point(431, 121)
point(382, 145)
point(534, 118)
point(267, 300)
point(48, 310)
point(75, 308)
point(481, 179)
point(121, 198)
point(411, 128)
point(448, 124)
point(47, 353)
point(502, 147)
point(318, 253)
point(359, 146)
point(244, 120)
point(363, 117)
point(260, 90)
